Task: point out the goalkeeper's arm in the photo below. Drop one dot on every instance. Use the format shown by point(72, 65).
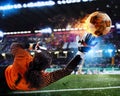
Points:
point(84, 46)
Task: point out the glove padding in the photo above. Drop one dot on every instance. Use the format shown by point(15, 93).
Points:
point(39, 48)
point(85, 44)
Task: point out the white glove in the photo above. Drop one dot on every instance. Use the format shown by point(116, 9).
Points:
point(39, 48)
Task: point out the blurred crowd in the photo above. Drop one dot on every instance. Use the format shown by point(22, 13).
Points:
point(62, 48)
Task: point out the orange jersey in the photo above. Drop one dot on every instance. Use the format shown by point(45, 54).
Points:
point(15, 73)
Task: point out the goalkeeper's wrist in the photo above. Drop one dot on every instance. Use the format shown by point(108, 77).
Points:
point(81, 54)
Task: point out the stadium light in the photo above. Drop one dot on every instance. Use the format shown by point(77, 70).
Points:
point(71, 1)
point(28, 5)
point(85, 0)
point(45, 30)
point(1, 34)
point(3, 54)
point(8, 7)
point(110, 50)
point(18, 32)
point(117, 26)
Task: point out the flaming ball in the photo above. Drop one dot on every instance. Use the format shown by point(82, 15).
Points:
point(98, 23)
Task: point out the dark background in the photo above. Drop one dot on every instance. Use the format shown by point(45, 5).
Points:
point(52, 16)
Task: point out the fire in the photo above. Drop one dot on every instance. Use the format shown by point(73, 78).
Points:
point(97, 23)
point(80, 25)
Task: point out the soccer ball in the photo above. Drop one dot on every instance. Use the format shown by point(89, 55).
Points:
point(1, 36)
point(98, 23)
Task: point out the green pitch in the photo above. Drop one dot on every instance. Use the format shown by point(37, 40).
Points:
point(81, 85)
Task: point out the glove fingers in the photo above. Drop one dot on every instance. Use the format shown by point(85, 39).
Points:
point(89, 39)
point(84, 49)
point(87, 44)
point(88, 36)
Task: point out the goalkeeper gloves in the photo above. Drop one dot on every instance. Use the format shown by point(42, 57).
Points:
point(86, 43)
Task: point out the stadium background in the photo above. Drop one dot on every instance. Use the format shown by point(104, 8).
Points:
point(53, 27)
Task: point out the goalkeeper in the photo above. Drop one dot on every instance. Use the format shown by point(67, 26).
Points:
point(28, 73)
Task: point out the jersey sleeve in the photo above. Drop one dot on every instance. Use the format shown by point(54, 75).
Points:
point(54, 76)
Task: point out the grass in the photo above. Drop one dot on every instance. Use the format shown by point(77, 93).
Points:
point(82, 81)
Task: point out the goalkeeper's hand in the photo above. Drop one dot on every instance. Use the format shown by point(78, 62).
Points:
point(86, 43)
point(39, 48)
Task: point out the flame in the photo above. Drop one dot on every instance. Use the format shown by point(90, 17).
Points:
point(97, 23)
point(80, 25)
